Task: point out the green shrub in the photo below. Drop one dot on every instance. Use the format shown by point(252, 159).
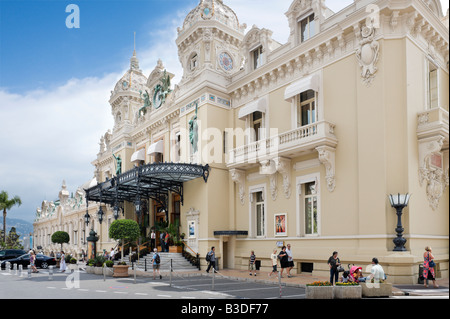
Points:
point(109, 263)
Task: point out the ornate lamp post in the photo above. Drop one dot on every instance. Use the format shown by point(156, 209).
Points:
point(100, 214)
point(399, 202)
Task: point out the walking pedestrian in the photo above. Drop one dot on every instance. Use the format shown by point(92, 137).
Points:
point(252, 263)
point(290, 260)
point(284, 263)
point(33, 261)
point(428, 267)
point(212, 259)
point(166, 241)
point(62, 264)
point(274, 258)
point(334, 262)
point(112, 254)
point(156, 261)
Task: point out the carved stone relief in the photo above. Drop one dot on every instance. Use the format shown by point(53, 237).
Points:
point(327, 158)
point(367, 52)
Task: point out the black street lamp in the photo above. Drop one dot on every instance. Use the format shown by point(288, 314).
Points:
point(137, 205)
point(87, 218)
point(100, 214)
point(399, 202)
point(116, 211)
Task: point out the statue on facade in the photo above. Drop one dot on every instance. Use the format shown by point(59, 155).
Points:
point(193, 131)
point(147, 103)
point(118, 164)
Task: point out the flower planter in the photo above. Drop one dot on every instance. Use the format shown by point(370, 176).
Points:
point(347, 292)
point(175, 249)
point(319, 292)
point(72, 266)
point(90, 269)
point(98, 270)
point(376, 289)
point(120, 270)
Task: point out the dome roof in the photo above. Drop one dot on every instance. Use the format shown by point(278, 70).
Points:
point(133, 80)
point(212, 10)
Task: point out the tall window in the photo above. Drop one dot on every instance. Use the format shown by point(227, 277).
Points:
point(307, 28)
point(310, 208)
point(257, 124)
point(306, 108)
point(193, 61)
point(260, 215)
point(257, 57)
point(432, 86)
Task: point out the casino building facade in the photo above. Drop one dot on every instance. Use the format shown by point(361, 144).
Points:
point(263, 143)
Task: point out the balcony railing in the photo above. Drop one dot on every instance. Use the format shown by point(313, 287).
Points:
point(289, 143)
point(433, 122)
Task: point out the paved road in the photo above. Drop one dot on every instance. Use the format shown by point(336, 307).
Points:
point(79, 285)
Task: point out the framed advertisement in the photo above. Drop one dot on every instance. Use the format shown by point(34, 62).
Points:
point(191, 230)
point(280, 224)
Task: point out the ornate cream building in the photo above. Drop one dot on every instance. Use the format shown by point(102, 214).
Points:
point(298, 142)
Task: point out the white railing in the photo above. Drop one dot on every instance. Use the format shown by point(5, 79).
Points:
point(308, 136)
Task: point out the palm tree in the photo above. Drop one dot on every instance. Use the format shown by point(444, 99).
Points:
point(7, 204)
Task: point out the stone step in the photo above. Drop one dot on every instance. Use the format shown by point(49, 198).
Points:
point(179, 263)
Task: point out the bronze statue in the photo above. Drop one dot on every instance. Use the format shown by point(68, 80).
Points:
point(118, 164)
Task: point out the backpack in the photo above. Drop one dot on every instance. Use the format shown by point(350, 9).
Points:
point(157, 259)
point(208, 257)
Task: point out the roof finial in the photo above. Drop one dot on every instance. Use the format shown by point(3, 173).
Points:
point(134, 44)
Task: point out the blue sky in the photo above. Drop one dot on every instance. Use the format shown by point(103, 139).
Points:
point(55, 82)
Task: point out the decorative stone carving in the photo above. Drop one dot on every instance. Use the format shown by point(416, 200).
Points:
point(327, 158)
point(238, 177)
point(368, 51)
point(432, 174)
point(273, 183)
point(283, 166)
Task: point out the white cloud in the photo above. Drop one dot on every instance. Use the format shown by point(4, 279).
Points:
point(48, 136)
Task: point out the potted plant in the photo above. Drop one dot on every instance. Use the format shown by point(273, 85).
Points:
point(348, 290)
point(319, 290)
point(90, 266)
point(123, 229)
point(72, 263)
point(98, 264)
point(175, 244)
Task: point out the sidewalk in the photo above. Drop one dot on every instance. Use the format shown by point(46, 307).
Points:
point(301, 280)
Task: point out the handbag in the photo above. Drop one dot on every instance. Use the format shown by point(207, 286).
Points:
point(431, 262)
point(340, 269)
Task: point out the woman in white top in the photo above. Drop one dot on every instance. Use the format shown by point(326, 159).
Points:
point(62, 264)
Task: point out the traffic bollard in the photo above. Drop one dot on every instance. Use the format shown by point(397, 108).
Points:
point(213, 278)
point(15, 269)
point(50, 273)
point(29, 271)
point(171, 272)
point(8, 266)
point(279, 281)
point(20, 270)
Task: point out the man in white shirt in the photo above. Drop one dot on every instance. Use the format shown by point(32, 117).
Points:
point(377, 272)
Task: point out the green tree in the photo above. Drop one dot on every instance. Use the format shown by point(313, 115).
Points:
point(6, 204)
point(124, 229)
point(60, 237)
point(12, 241)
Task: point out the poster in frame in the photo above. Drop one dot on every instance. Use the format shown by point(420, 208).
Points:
point(280, 224)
